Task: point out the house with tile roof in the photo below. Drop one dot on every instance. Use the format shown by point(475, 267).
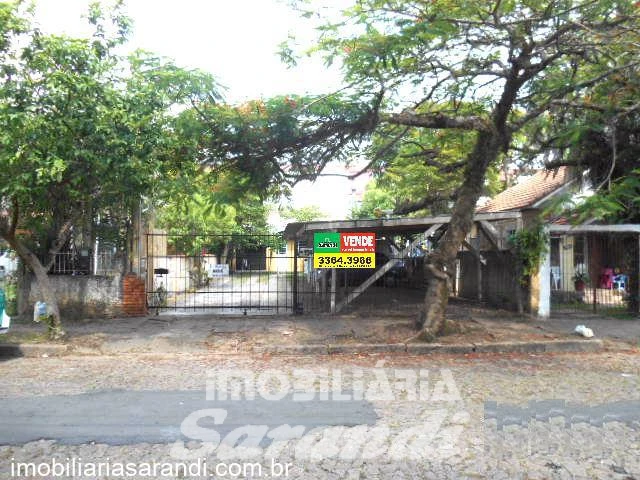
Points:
point(532, 192)
point(605, 256)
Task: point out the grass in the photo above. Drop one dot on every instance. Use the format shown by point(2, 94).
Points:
point(24, 337)
point(11, 295)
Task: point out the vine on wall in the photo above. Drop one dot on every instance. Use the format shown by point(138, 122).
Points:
point(528, 246)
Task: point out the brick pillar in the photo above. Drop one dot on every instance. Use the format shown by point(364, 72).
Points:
point(134, 296)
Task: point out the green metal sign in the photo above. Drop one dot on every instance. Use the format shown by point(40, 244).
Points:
point(328, 242)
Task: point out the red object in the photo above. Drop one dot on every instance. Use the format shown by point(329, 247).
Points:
point(606, 278)
point(134, 296)
point(357, 242)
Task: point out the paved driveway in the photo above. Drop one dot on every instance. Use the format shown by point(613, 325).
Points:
point(241, 293)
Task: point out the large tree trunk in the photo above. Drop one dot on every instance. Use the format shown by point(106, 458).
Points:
point(46, 290)
point(492, 137)
point(44, 285)
point(439, 267)
point(224, 256)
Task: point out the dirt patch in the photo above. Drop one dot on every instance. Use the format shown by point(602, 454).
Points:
point(240, 334)
point(482, 325)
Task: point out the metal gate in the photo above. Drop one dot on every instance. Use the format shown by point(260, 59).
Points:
point(594, 272)
point(237, 274)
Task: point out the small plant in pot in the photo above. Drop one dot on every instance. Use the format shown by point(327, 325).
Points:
point(580, 280)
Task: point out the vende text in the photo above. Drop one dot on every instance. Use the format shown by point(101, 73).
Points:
point(358, 242)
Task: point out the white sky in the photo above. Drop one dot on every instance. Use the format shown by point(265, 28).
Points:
point(236, 41)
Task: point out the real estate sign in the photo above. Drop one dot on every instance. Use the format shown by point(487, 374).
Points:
point(344, 250)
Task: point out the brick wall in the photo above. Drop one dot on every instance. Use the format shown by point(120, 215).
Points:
point(134, 297)
point(88, 296)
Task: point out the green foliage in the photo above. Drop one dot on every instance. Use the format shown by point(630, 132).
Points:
point(268, 145)
point(203, 218)
point(418, 173)
point(581, 277)
point(618, 204)
point(424, 169)
point(376, 201)
point(599, 134)
point(307, 213)
point(528, 245)
point(84, 134)
point(11, 296)
point(444, 59)
point(82, 130)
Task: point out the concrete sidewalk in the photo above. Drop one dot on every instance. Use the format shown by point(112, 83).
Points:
point(617, 329)
point(308, 335)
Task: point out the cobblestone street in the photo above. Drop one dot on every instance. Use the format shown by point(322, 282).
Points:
point(437, 416)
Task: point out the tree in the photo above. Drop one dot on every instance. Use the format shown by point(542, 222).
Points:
point(219, 221)
point(377, 200)
point(81, 130)
point(601, 138)
point(419, 174)
point(307, 213)
point(201, 221)
point(486, 68)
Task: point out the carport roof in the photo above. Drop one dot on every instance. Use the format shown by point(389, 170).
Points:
point(384, 225)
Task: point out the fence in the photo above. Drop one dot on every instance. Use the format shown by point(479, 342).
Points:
point(224, 273)
point(490, 278)
point(87, 263)
point(597, 272)
point(267, 274)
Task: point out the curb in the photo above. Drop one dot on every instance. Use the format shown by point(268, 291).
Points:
point(429, 348)
point(356, 348)
point(312, 349)
point(552, 346)
point(32, 350)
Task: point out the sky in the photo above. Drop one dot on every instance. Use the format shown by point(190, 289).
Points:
point(236, 41)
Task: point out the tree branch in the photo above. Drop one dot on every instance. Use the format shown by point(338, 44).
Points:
point(428, 156)
point(63, 235)
point(560, 162)
point(614, 157)
point(15, 214)
point(409, 207)
point(436, 120)
point(561, 92)
point(9, 223)
point(380, 153)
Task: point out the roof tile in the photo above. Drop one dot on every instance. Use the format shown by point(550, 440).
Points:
point(529, 191)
